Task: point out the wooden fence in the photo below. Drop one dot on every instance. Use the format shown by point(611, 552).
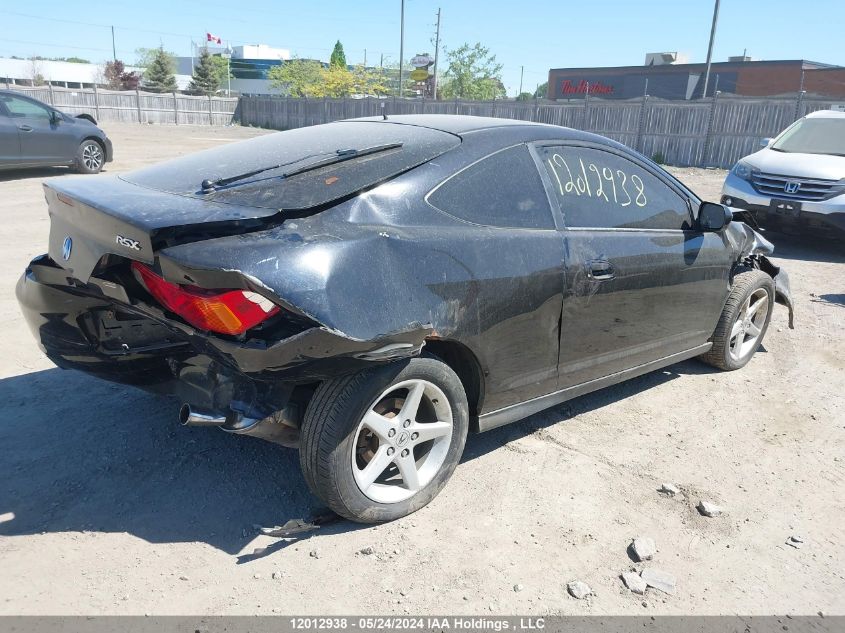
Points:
point(712, 132)
point(135, 106)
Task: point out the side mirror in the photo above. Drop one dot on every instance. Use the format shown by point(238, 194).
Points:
point(765, 142)
point(55, 117)
point(713, 217)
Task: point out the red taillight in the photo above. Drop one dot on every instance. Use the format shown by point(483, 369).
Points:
point(223, 311)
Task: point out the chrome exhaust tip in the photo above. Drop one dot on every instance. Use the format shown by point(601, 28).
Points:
point(189, 416)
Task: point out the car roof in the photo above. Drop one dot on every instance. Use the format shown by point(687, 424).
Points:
point(451, 123)
point(492, 129)
point(825, 114)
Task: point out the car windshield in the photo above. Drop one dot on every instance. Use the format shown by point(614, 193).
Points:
point(814, 136)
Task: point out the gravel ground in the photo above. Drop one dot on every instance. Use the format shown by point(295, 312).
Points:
point(109, 507)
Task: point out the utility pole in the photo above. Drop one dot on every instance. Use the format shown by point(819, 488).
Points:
point(710, 48)
point(401, 46)
point(113, 49)
point(521, 72)
point(436, 54)
point(365, 58)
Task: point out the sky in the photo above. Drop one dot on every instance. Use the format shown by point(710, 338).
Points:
point(533, 35)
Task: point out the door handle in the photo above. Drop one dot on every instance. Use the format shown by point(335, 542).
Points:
point(600, 269)
point(25, 128)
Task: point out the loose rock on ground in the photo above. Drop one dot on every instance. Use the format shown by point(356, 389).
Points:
point(634, 582)
point(643, 548)
point(660, 580)
point(670, 490)
point(709, 509)
point(578, 589)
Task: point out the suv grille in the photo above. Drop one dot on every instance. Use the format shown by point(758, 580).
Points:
point(778, 186)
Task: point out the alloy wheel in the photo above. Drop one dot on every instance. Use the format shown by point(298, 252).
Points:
point(92, 156)
point(748, 327)
point(402, 441)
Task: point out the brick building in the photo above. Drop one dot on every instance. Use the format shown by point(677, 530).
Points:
point(686, 81)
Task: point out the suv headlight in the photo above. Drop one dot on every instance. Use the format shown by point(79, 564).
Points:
point(742, 170)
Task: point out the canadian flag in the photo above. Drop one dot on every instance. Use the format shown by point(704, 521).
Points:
point(213, 38)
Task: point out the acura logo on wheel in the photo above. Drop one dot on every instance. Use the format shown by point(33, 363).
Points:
point(791, 186)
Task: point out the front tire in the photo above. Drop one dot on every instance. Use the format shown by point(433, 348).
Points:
point(90, 157)
point(381, 444)
point(744, 320)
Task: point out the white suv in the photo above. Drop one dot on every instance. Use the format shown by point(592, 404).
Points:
point(798, 180)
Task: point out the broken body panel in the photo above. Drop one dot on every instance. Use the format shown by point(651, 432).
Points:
point(368, 273)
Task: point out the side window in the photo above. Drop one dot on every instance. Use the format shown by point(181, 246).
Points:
point(503, 189)
point(24, 108)
point(599, 189)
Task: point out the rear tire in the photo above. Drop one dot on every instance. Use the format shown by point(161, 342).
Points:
point(744, 320)
point(370, 419)
point(90, 157)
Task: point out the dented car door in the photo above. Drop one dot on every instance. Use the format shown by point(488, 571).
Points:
point(642, 283)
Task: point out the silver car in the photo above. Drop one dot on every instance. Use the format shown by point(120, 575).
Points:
point(797, 182)
point(34, 134)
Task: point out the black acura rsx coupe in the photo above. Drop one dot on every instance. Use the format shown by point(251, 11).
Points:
point(371, 290)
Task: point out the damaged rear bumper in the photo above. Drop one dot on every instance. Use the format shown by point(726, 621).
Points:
point(96, 328)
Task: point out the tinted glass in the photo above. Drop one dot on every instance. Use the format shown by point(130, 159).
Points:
point(501, 190)
point(23, 108)
point(296, 149)
point(814, 136)
point(602, 190)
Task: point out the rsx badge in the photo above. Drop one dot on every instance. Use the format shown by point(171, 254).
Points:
point(128, 243)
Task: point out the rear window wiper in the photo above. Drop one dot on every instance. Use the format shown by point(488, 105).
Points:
point(339, 156)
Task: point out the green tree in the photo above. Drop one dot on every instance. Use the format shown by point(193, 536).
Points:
point(542, 90)
point(158, 76)
point(367, 81)
point(524, 96)
point(144, 56)
point(299, 78)
point(206, 78)
point(471, 73)
point(222, 68)
point(307, 78)
point(338, 58)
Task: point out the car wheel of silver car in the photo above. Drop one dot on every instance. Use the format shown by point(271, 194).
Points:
point(90, 157)
point(744, 321)
point(380, 444)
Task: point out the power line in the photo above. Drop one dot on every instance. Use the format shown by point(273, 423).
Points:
point(235, 38)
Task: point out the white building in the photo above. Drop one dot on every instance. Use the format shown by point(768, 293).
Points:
point(66, 74)
point(260, 51)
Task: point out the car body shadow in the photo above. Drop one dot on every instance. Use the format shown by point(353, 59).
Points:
point(81, 454)
point(85, 455)
point(34, 172)
point(830, 299)
point(806, 248)
point(496, 438)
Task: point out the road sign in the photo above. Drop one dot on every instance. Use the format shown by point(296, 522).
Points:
point(419, 74)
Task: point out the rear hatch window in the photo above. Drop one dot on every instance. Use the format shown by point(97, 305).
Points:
point(385, 149)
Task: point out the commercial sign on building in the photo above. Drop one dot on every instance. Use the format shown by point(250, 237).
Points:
point(583, 87)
